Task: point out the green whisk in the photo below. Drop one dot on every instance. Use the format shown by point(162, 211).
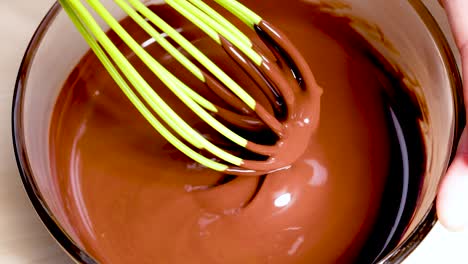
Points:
point(169, 124)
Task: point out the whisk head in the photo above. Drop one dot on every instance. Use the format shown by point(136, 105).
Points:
point(266, 69)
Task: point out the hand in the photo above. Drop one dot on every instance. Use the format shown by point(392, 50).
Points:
point(452, 201)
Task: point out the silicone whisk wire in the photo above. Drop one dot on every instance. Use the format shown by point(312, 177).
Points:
point(146, 100)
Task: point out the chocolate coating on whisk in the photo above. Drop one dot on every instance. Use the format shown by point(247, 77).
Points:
point(281, 80)
point(274, 97)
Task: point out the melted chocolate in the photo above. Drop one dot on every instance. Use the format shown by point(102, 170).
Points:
point(133, 198)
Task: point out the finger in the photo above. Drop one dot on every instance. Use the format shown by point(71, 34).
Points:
point(456, 12)
point(452, 200)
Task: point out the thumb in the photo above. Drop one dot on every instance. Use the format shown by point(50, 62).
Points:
point(452, 201)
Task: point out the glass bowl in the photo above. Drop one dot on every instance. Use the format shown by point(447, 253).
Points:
point(404, 32)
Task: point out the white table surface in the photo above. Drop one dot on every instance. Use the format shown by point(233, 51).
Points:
point(23, 238)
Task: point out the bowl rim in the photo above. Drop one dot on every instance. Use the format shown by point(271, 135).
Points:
point(79, 255)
